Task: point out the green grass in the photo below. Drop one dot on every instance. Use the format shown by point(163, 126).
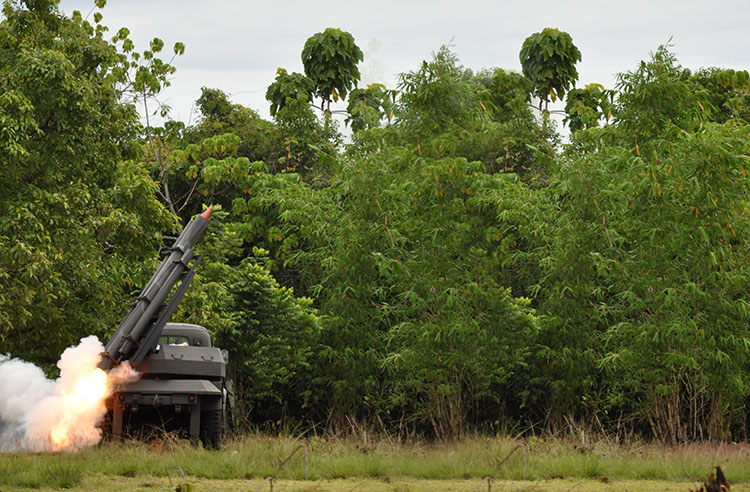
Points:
point(40, 471)
point(258, 457)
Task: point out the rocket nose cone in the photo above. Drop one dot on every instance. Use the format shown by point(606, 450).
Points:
point(207, 213)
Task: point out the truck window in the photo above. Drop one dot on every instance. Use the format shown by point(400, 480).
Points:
point(174, 340)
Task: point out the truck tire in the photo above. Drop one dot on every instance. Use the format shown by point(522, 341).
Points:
point(211, 429)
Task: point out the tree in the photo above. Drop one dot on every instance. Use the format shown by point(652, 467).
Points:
point(508, 94)
point(404, 258)
point(260, 140)
point(274, 336)
point(439, 96)
point(271, 334)
point(548, 59)
point(647, 257)
point(141, 77)
point(78, 218)
point(369, 106)
point(511, 139)
point(289, 88)
point(214, 104)
point(728, 92)
point(446, 110)
point(585, 107)
point(658, 99)
point(304, 138)
point(646, 285)
point(330, 59)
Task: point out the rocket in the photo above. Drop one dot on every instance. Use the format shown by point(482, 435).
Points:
point(139, 331)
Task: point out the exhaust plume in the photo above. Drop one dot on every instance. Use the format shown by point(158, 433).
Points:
point(37, 414)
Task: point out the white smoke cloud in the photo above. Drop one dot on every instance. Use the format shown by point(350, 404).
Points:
point(33, 407)
point(22, 386)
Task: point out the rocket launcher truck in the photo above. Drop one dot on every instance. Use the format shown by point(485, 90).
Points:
point(183, 378)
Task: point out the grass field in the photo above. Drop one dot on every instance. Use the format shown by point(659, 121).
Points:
point(265, 463)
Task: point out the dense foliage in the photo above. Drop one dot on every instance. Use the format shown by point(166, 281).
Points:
point(451, 266)
point(77, 220)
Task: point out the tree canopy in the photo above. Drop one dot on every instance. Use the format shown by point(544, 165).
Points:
point(548, 59)
point(453, 265)
point(330, 59)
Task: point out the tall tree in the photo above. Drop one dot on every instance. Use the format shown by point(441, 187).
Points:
point(549, 59)
point(330, 59)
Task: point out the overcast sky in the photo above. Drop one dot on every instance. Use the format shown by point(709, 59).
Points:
point(237, 46)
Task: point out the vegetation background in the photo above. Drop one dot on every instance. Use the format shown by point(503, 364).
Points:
point(454, 266)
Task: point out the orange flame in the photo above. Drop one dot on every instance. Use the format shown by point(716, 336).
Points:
point(88, 392)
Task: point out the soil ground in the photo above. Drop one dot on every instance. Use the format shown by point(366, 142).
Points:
point(148, 484)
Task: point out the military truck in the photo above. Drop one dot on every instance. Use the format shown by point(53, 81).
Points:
point(182, 385)
point(182, 388)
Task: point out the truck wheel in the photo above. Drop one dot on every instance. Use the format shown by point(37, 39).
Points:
point(211, 429)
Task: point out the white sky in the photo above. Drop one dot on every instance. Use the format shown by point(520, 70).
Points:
point(237, 46)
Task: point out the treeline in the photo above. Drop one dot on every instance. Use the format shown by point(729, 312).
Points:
point(453, 266)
